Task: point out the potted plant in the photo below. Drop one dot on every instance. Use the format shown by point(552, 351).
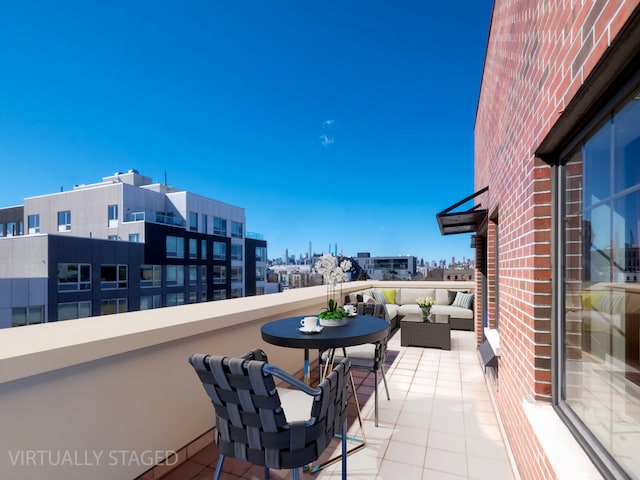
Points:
point(334, 272)
point(425, 304)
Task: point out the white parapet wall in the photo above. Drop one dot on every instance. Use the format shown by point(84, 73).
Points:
point(108, 397)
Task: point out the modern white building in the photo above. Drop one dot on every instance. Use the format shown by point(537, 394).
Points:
point(123, 244)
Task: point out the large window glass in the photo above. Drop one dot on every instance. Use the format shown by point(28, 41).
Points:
point(113, 305)
point(219, 274)
point(112, 215)
point(193, 248)
point(74, 277)
point(64, 221)
point(601, 284)
point(33, 224)
point(150, 276)
point(175, 247)
point(113, 276)
point(193, 221)
point(73, 310)
point(175, 275)
point(220, 226)
point(32, 315)
point(236, 229)
point(236, 251)
point(219, 251)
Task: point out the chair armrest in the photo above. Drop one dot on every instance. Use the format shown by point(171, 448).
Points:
point(291, 380)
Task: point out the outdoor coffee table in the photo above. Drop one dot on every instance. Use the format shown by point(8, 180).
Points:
point(414, 331)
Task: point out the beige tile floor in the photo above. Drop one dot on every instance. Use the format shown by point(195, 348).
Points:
point(438, 425)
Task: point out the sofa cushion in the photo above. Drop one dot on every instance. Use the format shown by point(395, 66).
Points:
point(410, 295)
point(392, 311)
point(378, 295)
point(441, 297)
point(389, 295)
point(452, 295)
point(453, 312)
point(409, 309)
point(463, 300)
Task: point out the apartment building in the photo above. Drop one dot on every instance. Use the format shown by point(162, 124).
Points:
point(123, 244)
point(388, 268)
point(556, 223)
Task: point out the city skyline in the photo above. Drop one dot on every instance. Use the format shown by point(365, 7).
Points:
point(328, 123)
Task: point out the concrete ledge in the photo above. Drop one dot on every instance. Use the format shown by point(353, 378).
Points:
point(567, 457)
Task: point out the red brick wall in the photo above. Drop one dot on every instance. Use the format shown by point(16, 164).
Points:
point(539, 54)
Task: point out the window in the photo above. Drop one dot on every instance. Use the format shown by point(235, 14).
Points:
point(259, 290)
point(175, 275)
point(1, 229)
point(203, 249)
point(20, 227)
point(236, 229)
point(64, 221)
point(175, 247)
point(112, 216)
point(203, 274)
point(236, 293)
point(112, 237)
point(134, 237)
point(599, 191)
point(193, 248)
point(73, 310)
point(219, 294)
point(260, 274)
point(21, 316)
point(173, 299)
point(193, 274)
point(193, 221)
point(236, 274)
point(113, 276)
point(113, 305)
point(203, 296)
point(219, 274)
point(148, 302)
point(261, 254)
point(12, 230)
point(236, 252)
point(74, 277)
point(193, 297)
point(205, 221)
point(150, 276)
point(219, 251)
point(219, 226)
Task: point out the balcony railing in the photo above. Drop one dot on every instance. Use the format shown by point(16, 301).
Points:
point(109, 397)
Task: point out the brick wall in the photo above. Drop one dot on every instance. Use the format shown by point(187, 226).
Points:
point(539, 54)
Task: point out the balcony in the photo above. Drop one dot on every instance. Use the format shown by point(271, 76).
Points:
point(111, 397)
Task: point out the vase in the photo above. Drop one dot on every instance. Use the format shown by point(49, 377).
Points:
point(426, 314)
point(333, 322)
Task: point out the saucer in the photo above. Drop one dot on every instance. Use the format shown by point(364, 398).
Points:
point(311, 331)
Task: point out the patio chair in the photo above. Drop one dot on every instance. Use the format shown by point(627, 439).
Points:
point(369, 357)
point(274, 428)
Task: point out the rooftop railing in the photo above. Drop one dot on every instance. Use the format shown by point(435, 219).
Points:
point(109, 397)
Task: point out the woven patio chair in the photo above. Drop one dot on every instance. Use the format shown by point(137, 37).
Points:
point(369, 356)
point(275, 428)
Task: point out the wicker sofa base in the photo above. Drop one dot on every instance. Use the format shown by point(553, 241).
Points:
point(415, 332)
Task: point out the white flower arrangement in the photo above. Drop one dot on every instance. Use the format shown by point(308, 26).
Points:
point(425, 304)
point(334, 273)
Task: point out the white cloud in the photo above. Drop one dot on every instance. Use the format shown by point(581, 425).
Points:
point(325, 141)
point(327, 123)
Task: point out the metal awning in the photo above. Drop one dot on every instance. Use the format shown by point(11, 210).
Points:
point(467, 221)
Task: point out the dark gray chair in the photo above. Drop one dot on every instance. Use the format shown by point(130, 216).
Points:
point(253, 422)
point(370, 356)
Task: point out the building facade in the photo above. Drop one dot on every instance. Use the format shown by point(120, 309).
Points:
point(388, 268)
point(557, 143)
point(120, 245)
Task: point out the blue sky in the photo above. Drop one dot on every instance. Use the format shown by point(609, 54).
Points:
point(336, 122)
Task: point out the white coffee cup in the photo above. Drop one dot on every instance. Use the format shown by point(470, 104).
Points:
point(351, 309)
point(309, 323)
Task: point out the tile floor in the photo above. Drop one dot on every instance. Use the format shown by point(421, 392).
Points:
point(438, 425)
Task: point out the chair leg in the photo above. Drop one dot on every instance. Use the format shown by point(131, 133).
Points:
point(375, 396)
point(266, 473)
point(295, 474)
point(219, 467)
point(384, 379)
point(344, 450)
